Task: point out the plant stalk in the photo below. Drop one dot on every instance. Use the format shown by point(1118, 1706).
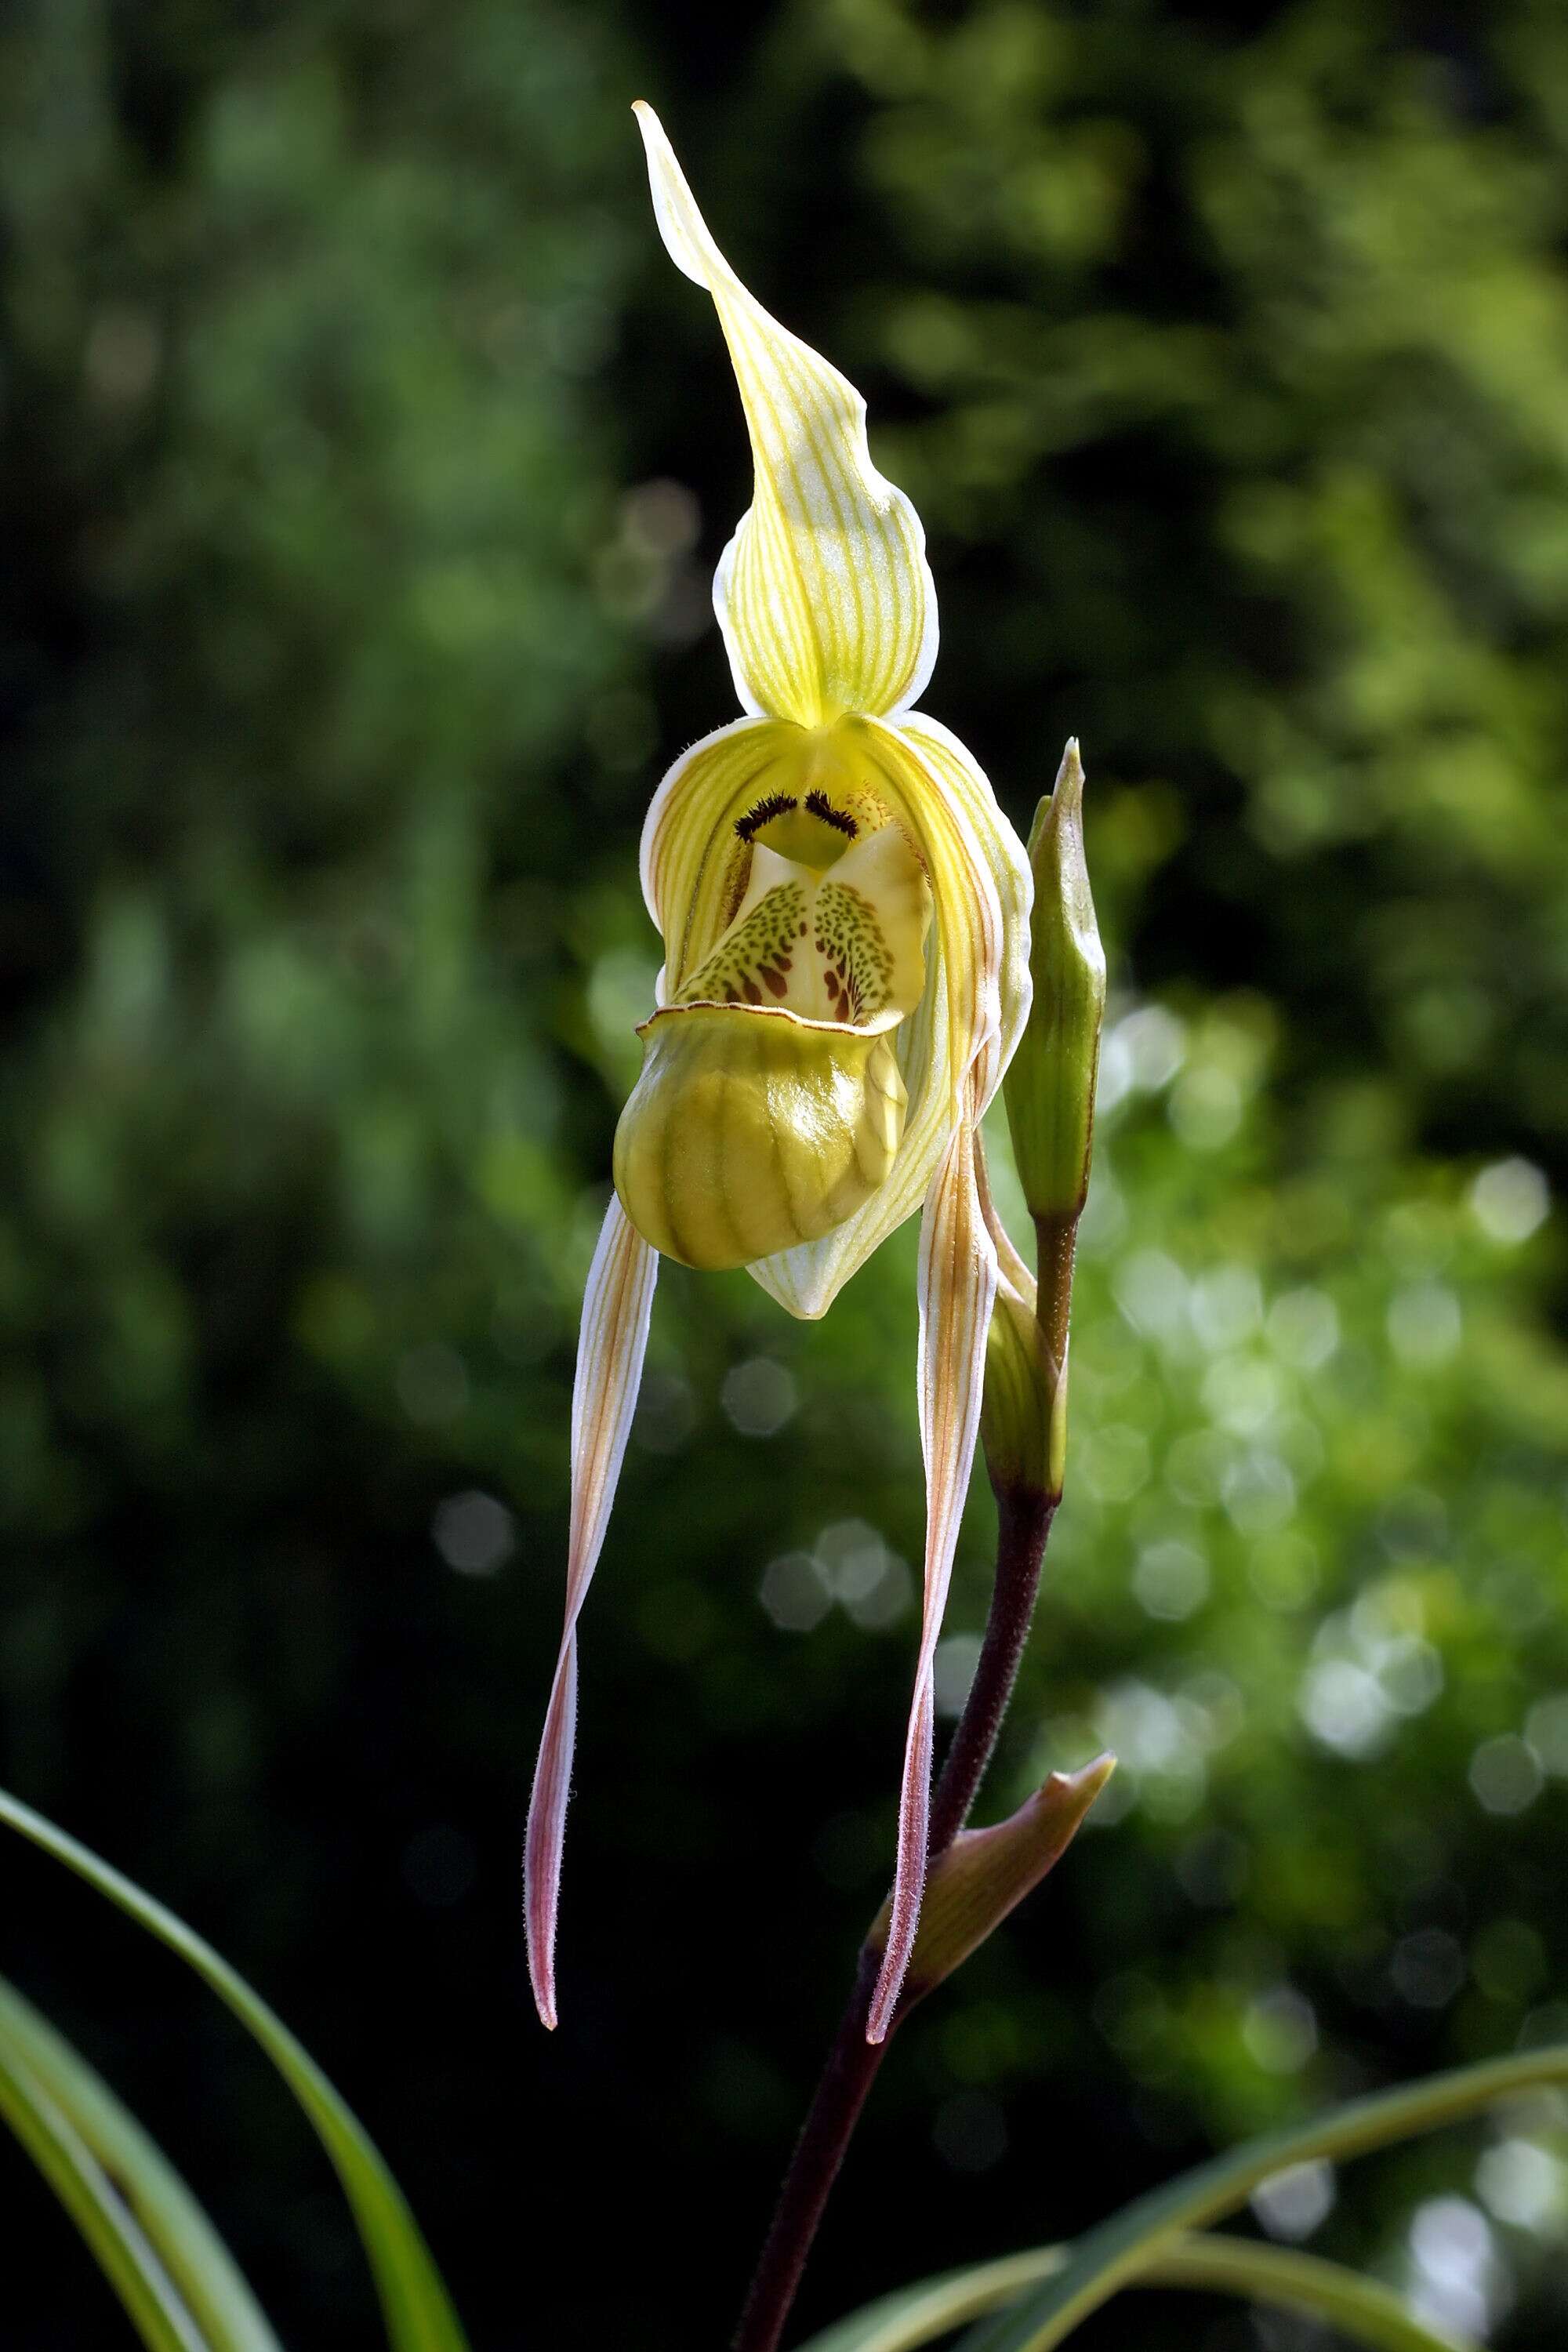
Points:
point(1023, 1523)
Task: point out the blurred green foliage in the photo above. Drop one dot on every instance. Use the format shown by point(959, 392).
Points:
point(365, 464)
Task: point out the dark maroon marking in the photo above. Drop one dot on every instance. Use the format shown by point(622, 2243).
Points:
point(774, 804)
point(839, 819)
point(774, 980)
point(753, 994)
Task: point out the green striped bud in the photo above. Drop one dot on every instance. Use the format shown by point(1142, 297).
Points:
point(1050, 1086)
point(1024, 1414)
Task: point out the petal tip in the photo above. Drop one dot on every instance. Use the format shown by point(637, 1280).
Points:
point(884, 2002)
point(541, 1983)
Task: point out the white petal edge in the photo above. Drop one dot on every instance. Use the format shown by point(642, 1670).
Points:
point(957, 1291)
point(617, 1306)
point(823, 594)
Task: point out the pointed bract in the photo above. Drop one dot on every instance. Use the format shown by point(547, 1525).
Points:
point(986, 1874)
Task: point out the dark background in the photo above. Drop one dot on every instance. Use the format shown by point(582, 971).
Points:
point(366, 461)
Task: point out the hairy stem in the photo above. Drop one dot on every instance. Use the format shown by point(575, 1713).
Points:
point(847, 2079)
point(1023, 1523)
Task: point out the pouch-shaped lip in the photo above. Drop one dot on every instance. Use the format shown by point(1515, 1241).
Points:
point(735, 1144)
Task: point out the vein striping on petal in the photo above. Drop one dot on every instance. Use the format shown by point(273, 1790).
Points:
point(615, 1310)
point(969, 912)
point(957, 1290)
point(958, 775)
point(824, 593)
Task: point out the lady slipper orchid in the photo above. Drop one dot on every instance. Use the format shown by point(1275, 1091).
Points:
point(844, 917)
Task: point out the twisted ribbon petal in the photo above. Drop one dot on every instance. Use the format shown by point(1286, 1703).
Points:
point(616, 1309)
point(957, 1290)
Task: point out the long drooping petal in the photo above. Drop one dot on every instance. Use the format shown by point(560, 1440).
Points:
point(1013, 1273)
point(823, 594)
point(953, 1051)
point(957, 1290)
point(616, 1309)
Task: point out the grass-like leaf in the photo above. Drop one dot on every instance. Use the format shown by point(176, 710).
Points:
point(415, 2304)
point(1124, 2247)
point(113, 2235)
point(1366, 2312)
point(43, 2068)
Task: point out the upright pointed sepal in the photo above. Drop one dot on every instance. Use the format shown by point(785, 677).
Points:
point(986, 1874)
point(1050, 1084)
point(823, 594)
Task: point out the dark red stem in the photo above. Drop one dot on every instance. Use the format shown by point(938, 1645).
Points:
point(1023, 1523)
point(847, 2078)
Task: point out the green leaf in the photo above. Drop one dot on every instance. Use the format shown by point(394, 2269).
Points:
point(115, 2238)
point(1364, 2310)
point(61, 2089)
point(1123, 2248)
point(415, 2304)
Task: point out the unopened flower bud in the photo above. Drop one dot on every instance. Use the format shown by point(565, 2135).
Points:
point(1049, 1088)
point(1023, 1418)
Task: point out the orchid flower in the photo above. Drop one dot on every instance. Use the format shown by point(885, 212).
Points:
point(845, 912)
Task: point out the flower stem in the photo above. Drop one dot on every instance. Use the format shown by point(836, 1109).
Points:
point(1023, 1523)
point(847, 2079)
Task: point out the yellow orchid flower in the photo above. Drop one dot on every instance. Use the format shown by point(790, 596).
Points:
point(844, 916)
